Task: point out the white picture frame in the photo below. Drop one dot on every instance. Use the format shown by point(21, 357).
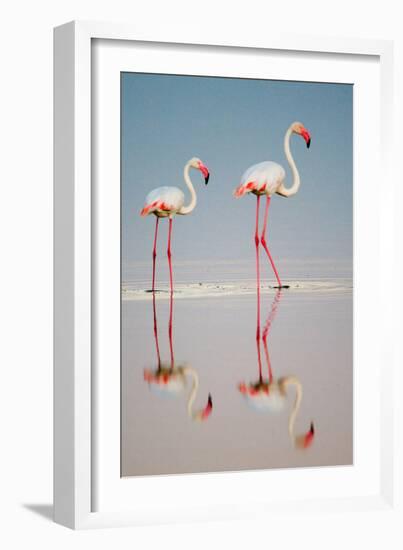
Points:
point(79, 426)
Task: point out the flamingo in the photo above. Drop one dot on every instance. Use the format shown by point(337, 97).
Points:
point(270, 395)
point(267, 178)
point(166, 202)
point(169, 379)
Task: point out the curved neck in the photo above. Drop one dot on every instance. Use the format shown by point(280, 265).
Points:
point(292, 381)
point(193, 199)
point(193, 392)
point(282, 190)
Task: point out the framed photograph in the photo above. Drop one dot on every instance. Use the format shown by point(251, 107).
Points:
point(222, 259)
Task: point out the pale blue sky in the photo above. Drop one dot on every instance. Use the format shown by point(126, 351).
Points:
point(231, 124)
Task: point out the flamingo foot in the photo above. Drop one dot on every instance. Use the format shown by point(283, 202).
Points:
point(151, 291)
point(280, 287)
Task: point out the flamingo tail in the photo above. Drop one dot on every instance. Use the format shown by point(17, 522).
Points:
point(244, 188)
point(148, 208)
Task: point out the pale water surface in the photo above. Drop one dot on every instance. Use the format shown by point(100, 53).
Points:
point(310, 338)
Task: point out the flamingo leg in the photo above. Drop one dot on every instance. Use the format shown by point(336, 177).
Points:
point(264, 242)
point(266, 330)
point(258, 288)
point(171, 292)
point(266, 351)
point(170, 255)
point(259, 359)
point(257, 266)
point(155, 252)
point(171, 348)
point(156, 333)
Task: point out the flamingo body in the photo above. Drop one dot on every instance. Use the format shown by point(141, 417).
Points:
point(265, 398)
point(172, 382)
point(263, 178)
point(166, 381)
point(163, 202)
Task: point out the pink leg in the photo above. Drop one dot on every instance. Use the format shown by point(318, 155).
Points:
point(266, 330)
point(155, 251)
point(264, 243)
point(171, 348)
point(259, 359)
point(170, 255)
point(171, 290)
point(258, 288)
point(156, 332)
point(266, 352)
point(257, 266)
point(272, 314)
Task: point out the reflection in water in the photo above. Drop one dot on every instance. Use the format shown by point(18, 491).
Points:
point(172, 379)
point(268, 394)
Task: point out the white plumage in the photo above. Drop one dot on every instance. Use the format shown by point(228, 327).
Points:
point(165, 202)
point(262, 178)
point(272, 401)
point(172, 198)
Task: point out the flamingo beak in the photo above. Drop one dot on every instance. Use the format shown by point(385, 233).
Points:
point(307, 439)
point(204, 170)
point(305, 134)
point(207, 409)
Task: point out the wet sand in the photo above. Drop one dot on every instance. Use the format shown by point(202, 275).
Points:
point(310, 338)
point(247, 287)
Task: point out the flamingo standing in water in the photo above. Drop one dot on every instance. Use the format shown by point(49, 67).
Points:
point(267, 178)
point(269, 395)
point(166, 202)
point(170, 379)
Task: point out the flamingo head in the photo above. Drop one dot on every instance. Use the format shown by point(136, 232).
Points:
point(304, 441)
point(203, 414)
point(299, 129)
point(199, 165)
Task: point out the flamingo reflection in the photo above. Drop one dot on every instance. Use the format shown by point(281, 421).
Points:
point(172, 380)
point(270, 395)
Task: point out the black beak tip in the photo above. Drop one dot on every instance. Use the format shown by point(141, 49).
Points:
point(312, 428)
point(308, 143)
point(206, 179)
point(210, 400)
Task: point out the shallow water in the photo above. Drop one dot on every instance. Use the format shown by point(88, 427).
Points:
point(310, 338)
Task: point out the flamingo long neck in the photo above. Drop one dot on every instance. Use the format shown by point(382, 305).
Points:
point(193, 199)
point(282, 190)
point(193, 392)
point(292, 381)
